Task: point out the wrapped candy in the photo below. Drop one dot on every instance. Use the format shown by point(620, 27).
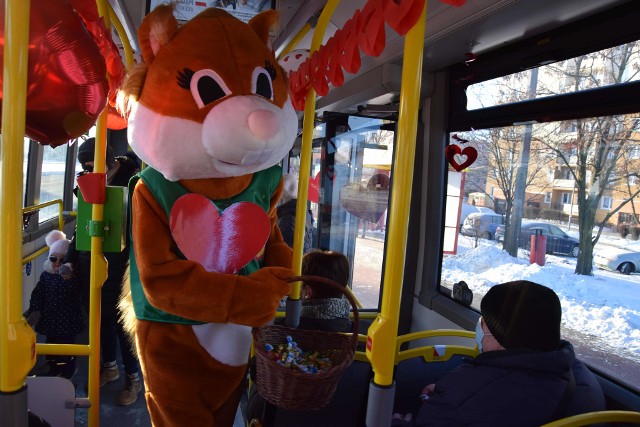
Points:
point(292, 356)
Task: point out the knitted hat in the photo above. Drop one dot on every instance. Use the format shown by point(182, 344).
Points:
point(57, 242)
point(523, 314)
point(86, 152)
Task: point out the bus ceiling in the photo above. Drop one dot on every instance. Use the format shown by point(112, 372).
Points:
point(453, 35)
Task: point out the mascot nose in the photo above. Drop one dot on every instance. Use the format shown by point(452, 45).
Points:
point(263, 124)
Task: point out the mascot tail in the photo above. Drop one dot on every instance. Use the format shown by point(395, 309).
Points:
point(125, 306)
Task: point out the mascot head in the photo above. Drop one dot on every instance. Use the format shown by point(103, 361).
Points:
point(210, 100)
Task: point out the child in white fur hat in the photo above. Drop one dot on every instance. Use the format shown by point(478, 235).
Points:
point(55, 309)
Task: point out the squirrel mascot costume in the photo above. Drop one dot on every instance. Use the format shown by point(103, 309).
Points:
point(210, 115)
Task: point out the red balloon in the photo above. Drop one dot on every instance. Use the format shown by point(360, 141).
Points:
point(114, 120)
point(67, 86)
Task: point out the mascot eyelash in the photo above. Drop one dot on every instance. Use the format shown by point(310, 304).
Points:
point(207, 86)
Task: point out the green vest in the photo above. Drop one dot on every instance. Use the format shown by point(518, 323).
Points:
point(260, 191)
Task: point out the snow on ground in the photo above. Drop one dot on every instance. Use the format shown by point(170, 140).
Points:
point(605, 306)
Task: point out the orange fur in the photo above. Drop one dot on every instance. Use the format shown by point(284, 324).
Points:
point(185, 383)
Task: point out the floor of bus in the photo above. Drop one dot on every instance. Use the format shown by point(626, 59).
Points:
point(112, 414)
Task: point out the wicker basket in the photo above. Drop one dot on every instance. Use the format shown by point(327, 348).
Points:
point(291, 388)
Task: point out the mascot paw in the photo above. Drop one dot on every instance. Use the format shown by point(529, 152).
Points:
point(257, 306)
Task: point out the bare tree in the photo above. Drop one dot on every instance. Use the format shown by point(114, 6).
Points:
point(598, 143)
point(499, 153)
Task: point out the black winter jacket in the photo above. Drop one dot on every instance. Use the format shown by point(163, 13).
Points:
point(287, 224)
point(511, 388)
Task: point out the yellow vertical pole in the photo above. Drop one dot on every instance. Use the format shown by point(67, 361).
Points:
point(17, 339)
point(382, 335)
point(296, 39)
point(305, 151)
point(98, 262)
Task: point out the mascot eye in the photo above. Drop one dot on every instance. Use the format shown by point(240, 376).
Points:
point(207, 87)
point(261, 83)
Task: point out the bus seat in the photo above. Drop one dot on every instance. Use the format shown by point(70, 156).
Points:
point(346, 409)
point(53, 399)
point(628, 417)
point(411, 375)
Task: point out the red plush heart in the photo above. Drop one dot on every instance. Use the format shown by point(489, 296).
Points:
point(460, 159)
point(221, 243)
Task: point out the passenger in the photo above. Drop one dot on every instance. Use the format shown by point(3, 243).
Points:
point(112, 334)
point(323, 309)
point(525, 375)
point(287, 214)
point(55, 309)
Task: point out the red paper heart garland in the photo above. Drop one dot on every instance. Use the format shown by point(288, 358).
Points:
point(223, 243)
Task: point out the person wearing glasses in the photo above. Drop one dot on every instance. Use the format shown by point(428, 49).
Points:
point(525, 375)
point(55, 309)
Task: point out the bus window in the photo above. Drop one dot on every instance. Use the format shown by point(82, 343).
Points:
point(573, 177)
point(352, 168)
point(25, 167)
point(560, 77)
point(52, 181)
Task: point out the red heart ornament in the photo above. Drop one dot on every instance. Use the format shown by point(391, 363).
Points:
point(460, 159)
point(223, 243)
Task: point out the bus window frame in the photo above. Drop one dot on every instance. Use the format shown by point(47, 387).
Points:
point(36, 229)
point(605, 30)
point(602, 31)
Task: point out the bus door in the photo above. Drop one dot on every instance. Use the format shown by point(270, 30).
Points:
point(351, 165)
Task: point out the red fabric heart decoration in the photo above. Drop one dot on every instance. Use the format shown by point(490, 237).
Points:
point(455, 156)
point(221, 243)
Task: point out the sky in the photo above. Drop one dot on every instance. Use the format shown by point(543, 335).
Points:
point(605, 306)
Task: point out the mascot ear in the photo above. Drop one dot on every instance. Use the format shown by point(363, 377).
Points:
point(262, 22)
point(156, 30)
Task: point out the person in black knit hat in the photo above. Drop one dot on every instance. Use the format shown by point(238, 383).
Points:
point(112, 334)
point(525, 374)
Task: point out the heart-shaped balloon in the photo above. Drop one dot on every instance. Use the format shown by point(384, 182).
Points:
point(460, 159)
point(221, 243)
point(364, 203)
point(66, 78)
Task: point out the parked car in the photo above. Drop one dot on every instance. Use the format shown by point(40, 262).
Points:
point(482, 225)
point(557, 240)
point(626, 260)
point(467, 210)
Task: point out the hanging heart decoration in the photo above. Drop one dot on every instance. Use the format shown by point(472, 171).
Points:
point(220, 242)
point(460, 159)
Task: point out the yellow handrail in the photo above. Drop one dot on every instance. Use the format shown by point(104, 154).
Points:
point(128, 51)
point(98, 266)
point(305, 152)
point(295, 40)
point(597, 417)
point(435, 353)
point(39, 206)
point(17, 339)
point(383, 331)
